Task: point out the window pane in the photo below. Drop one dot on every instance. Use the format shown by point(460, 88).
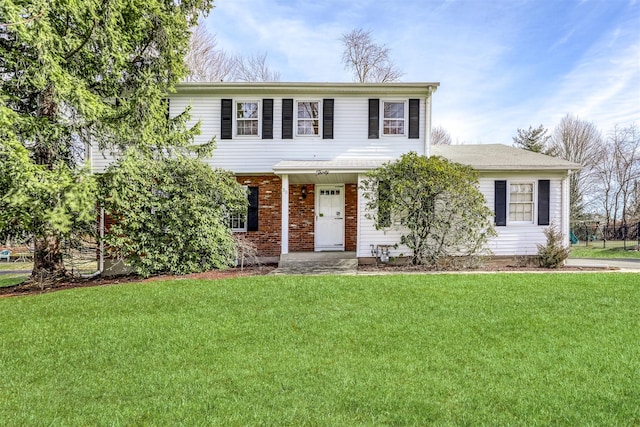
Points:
point(247, 110)
point(394, 110)
point(307, 127)
point(307, 110)
point(521, 202)
point(393, 127)
point(247, 127)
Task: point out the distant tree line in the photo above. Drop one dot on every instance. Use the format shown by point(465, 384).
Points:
point(609, 181)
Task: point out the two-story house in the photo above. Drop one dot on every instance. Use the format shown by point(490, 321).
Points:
point(302, 150)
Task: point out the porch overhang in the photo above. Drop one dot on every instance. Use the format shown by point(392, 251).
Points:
point(325, 171)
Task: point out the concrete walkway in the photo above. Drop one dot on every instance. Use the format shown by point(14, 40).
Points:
point(346, 263)
point(626, 264)
point(15, 272)
point(316, 263)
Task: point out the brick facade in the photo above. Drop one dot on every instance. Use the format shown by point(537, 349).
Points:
point(301, 218)
point(267, 238)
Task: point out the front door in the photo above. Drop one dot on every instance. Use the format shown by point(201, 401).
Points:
point(329, 233)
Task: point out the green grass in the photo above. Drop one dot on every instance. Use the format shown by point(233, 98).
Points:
point(11, 279)
point(495, 349)
point(4, 266)
point(613, 249)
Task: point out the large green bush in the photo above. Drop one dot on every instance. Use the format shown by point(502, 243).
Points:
point(170, 213)
point(437, 205)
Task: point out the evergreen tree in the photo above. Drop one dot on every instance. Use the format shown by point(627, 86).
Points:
point(74, 74)
point(535, 140)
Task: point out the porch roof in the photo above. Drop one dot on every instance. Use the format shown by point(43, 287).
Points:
point(326, 171)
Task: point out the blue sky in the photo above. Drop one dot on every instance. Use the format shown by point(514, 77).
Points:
point(502, 64)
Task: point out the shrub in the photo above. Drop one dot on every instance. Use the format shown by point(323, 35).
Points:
point(436, 203)
point(554, 252)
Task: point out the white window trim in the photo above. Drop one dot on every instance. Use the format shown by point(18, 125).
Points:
point(235, 118)
point(295, 112)
point(534, 202)
point(246, 216)
point(405, 102)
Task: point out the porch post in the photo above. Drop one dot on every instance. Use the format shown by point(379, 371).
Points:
point(285, 215)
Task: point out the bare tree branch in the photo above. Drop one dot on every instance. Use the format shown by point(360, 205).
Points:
point(578, 141)
point(368, 61)
point(207, 63)
point(254, 69)
point(440, 136)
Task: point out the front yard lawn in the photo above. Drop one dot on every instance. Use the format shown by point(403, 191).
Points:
point(613, 249)
point(12, 279)
point(486, 349)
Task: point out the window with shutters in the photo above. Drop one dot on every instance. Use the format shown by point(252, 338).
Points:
point(521, 201)
point(393, 117)
point(247, 221)
point(247, 118)
point(237, 220)
point(308, 118)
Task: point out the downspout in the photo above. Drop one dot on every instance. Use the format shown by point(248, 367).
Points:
point(566, 211)
point(427, 123)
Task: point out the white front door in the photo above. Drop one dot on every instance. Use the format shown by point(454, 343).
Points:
point(329, 233)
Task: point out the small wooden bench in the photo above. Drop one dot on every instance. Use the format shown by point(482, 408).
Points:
point(6, 254)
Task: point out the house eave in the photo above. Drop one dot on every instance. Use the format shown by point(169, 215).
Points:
point(292, 88)
point(519, 168)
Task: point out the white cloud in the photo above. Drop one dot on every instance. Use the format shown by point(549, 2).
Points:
point(501, 65)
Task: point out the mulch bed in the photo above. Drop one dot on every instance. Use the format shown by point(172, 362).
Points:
point(34, 288)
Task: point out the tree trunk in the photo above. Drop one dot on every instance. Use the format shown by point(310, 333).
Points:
point(47, 260)
point(47, 257)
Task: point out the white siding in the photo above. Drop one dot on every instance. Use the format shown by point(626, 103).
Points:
point(255, 155)
point(518, 239)
point(99, 160)
point(522, 239)
point(368, 235)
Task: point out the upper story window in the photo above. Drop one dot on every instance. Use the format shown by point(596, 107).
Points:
point(308, 118)
point(247, 118)
point(393, 119)
point(521, 201)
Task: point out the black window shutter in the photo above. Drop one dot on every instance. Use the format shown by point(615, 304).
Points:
point(252, 211)
point(414, 118)
point(327, 119)
point(374, 118)
point(384, 214)
point(287, 119)
point(501, 202)
point(267, 119)
point(543, 202)
point(226, 125)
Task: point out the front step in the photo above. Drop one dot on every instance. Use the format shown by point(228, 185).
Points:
point(319, 258)
point(318, 263)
